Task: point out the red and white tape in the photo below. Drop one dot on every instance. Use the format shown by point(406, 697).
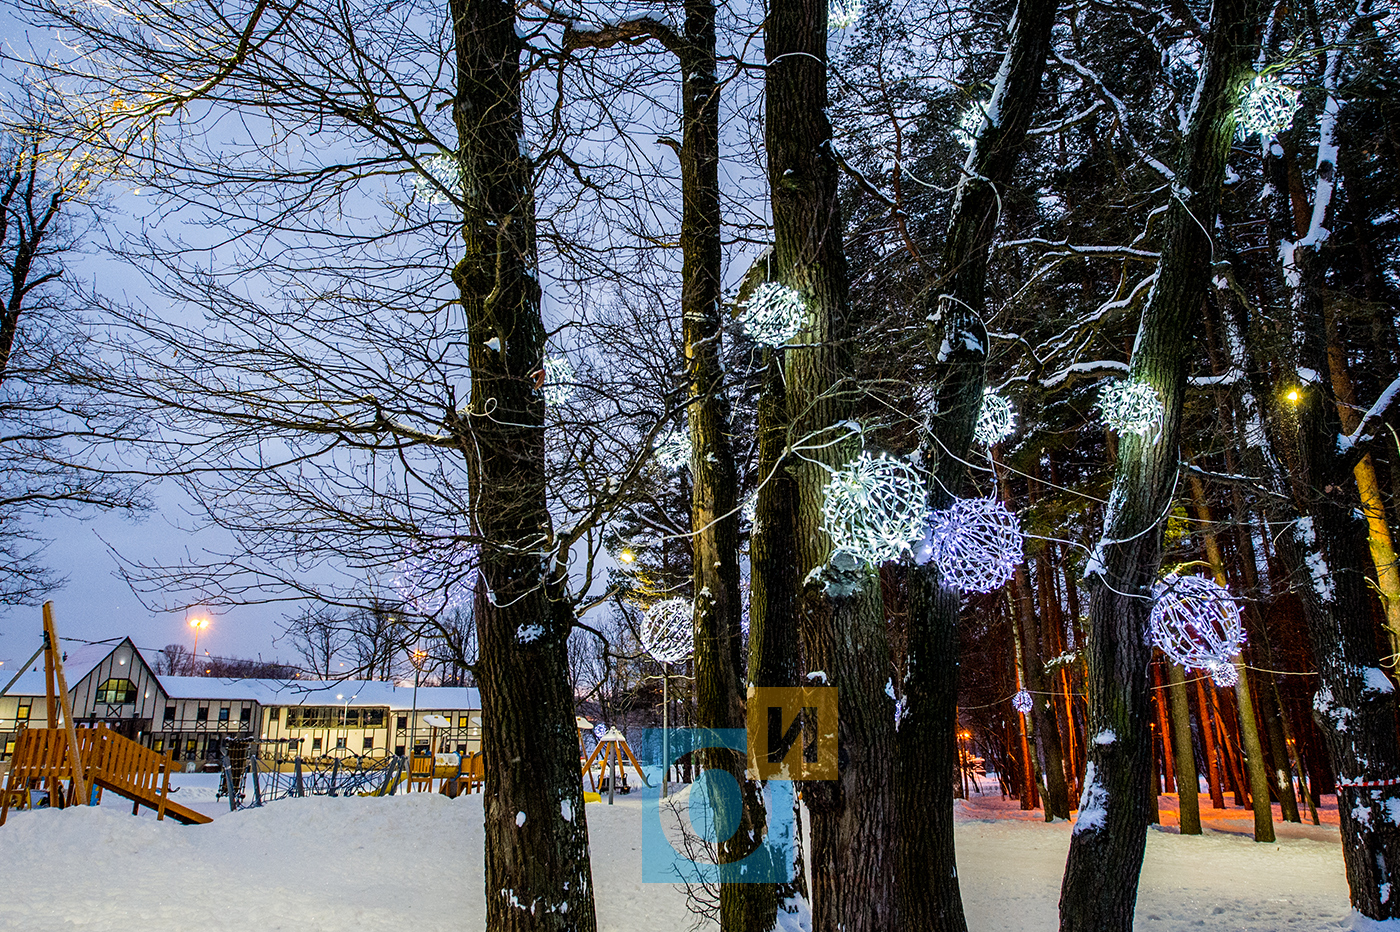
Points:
point(1393, 781)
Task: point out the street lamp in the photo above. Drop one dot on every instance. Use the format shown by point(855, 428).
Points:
point(198, 624)
point(417, 658)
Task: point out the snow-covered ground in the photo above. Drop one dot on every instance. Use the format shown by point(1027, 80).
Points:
point(360, 864)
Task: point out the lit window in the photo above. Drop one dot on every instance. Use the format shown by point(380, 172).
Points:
point(9, 747)
point(160, 744)
point(116, 692)
point(190, 745)
point(463, 721)
point(23, 713)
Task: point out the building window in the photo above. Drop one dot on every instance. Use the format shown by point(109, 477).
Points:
point(223, 714)
point(245, 715)
point(463, 721)
point(201, 714)
point(274, 716)
point(9, 748)
point(340, 742)
point(170, 713)
point(369, 743)
point(398, 749)
point(22, 714)
point(190, 745)
point(334, 716)
point(160, 744)
point(315, 744)
point(116, 692)
point(403, 721)
point(461, 748)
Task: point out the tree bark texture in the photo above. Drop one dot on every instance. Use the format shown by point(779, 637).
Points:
point(714, 512)
point(1099, 891)
point(929, 897)
point(537, 870)
point(1187, 784)
point(842, 619)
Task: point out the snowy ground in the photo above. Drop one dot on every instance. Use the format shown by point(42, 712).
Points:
point(360, 865)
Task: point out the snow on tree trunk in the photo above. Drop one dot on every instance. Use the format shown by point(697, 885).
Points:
point(1099, 890)
point(840, 607)
point(537, 871)
point(929, 897)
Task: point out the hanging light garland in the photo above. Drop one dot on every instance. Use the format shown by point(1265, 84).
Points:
point(673, 449)
point(444, 171)
point(428, 585)
point(668, 630)
point(773, 314)
point(1196, 623)
point(558, 380)
point(996, 421)
point(1131, 407)
point(975, 543)
point(874, 508)
point(1022, 701)
point(1266, 107)
point(843, 14)
point(970, 122)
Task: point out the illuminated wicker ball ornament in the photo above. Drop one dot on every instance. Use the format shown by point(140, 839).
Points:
point(444, 171)
point(673, 449)
point(1131, 407)
point(874, 508)
point(1196, 624)
point(843, 14)
point(773, 314)
point(1022, 701)
point(1266, 108)
point(996, 421)
point(668, 630)
point(970, 122)
point(558, 379)
point(976, 544)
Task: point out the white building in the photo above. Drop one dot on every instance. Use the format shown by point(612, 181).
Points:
point(111, 683)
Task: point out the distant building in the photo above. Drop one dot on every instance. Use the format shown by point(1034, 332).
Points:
point(112, 684)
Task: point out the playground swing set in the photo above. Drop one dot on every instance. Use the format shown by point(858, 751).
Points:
point(65, 765)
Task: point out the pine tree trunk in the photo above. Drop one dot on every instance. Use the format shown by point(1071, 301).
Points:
point(929, 897)
point(537, 869)
point(1106, 848)
point(843, 623)
point(1187, 785)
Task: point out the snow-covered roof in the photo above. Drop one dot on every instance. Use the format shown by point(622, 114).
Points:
point(76, 665)
point(320, 692)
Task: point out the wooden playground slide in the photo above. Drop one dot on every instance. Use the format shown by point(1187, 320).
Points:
point(109, 762)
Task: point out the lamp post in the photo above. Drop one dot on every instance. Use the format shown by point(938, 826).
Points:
point(198, 624)
point(418, 657)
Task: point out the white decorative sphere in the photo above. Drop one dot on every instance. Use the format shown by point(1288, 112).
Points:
point(430, 584)
point(558, 379)
point(970, 122)
point(773, 314)
point(975, 543)
point(843, 14)
point(599, 730)
point(996, 421)
point(874, 507)
point(444, 171)
point(1131, 407)
point(1196, 623)
point(1266, 107)
point(1022, 701)
point(673, 449)
point(668, 630)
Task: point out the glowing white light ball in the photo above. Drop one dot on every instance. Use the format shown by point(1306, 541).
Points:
point(874, 508)
point(1022, 701)
point(431, 584)
point(599, 730)
point(558, 379)
point(996, 421)
point(1266, 107)
point(970, 122)
point(446, 171)
point(975, 543)
point(749, 512)
point(673, 449)
point(1196, 624)
point(668, 630)
point(843, 14)
point(773, 314)
point(1131, 407)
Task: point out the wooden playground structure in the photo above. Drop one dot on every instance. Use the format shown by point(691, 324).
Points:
point(616, 755)
point(75, 765)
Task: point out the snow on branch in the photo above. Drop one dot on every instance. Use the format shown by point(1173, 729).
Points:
point(1063, 247)
point(1367, 430)
point(1094, 369)
point(628, 32)
point(1119, 108)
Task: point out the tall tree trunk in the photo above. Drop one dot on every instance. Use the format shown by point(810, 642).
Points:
point(929, 897)
point(537, 870)
point(1355, 706)
point(843, 622)
point(714, 511)
point(1106, 848)
point(1187, 786)
point(1214, 769)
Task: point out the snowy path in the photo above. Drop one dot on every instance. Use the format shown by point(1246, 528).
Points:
point(362, 865)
